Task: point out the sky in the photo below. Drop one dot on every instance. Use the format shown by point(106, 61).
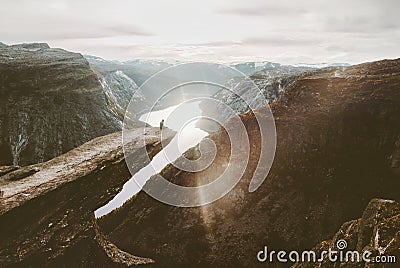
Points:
point(284, 31)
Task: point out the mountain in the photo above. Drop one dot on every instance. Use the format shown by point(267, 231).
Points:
point(255, 91)
point(53, 100)
point(30, 46)
point(249, 68)
point(118, 88)
point(321, 65)
point(121, 81)
point(338, 147)
point(271, 78)
point(271, 82)
point(50, 102)
point(137, 70)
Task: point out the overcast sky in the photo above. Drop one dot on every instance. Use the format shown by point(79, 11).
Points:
point(286, 31)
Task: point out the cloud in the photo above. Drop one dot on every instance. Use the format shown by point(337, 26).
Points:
point(280, 41)
point(213, 44)
point(65, 32)
point(271, 41)
point(361, 24)
point(262, 10)
point(357, 16)
point(127, 30)
point(287, 30)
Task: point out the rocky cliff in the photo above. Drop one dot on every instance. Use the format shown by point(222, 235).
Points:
point(47, 210)
point(118, 87)
point(338, 142)
point(138, 70)
point(377, 231)
point(338, 147)
point(50, 102)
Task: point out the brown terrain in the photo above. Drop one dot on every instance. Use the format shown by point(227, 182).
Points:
point(47, 216)
point(378, 231)
point(338, 148)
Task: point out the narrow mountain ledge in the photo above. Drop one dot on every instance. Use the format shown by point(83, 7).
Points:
point(47, 209)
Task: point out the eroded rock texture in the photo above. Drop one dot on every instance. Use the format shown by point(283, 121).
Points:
point(46, 217)
point(50, 102)
point(377, 231)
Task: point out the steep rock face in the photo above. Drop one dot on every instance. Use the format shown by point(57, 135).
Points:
point(259, 89)
point(47, 218)
point(337, 133)
point(50, 102)
point(138, 70)
point(377, 231)
point(119, 90)
point(272, 83)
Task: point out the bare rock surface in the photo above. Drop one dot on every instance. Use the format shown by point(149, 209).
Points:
point(6, 169)
point(377, 231)
point(50, 102)
point(47, 218)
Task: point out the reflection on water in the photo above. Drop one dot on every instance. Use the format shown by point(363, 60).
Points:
point(181, 118)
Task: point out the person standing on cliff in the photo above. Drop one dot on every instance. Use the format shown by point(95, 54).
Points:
point(161, 124)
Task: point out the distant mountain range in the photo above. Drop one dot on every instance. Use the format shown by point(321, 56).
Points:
point(141, 69)
point(272, 78)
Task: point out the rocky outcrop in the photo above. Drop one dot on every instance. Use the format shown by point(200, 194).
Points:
point(50, 102)
point(377, 231)
point(47, 218)
point(337, 133)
